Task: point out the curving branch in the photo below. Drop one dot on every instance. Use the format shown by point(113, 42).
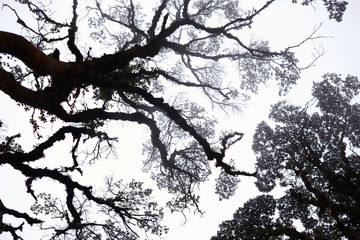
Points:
point(72, 31)
point(175, 116)
point(38, 151)
point(42, 15)
point(130, 18)
point(156, 18)
point(4, 210)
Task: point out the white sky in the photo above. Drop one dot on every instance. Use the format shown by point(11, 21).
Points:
point(282, 24)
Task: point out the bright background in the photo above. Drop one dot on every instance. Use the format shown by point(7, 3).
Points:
point(282, 24)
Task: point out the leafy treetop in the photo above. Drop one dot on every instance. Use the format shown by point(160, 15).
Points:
point(314, 155)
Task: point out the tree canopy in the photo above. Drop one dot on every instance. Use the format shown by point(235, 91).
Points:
point(313, 153)
point(153, 63)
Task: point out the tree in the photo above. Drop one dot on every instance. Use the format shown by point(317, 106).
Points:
point(314, 155)
point(256, 214)
point(81, 89)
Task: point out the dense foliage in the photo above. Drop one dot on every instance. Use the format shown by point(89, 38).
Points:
point(142, 66)
point(313, 153)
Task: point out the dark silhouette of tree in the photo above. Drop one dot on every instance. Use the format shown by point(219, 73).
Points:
point(256, 214)
point(335, 8)
point(180, 44)
point(313, 153)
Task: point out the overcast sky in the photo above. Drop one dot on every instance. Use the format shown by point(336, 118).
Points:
point(282, 24)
